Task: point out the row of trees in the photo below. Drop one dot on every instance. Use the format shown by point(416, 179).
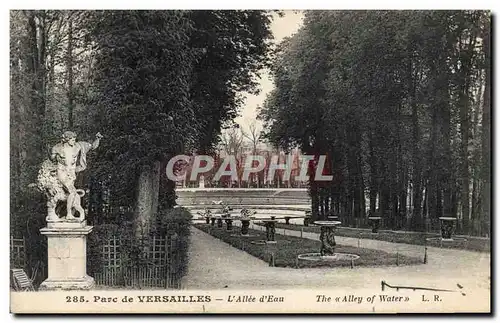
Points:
point(400, 101)
point(155, 83)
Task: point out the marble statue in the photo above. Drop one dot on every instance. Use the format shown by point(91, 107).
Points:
point(57, 176)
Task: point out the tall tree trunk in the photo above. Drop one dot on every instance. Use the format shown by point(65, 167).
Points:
point(474, 206)
point(147, 199)
point(321, 198)
point(464, 101)
point(35, 112)
point(393, 186)
point(384, 204)
point(40, 72)
point(373, 178)
point(354, 187)
point(16, 122)
point(425, 206)
point(313, 190)
point(448, 182)
point(486, 138)
point(360, 188)
point(166, 196)
point(327, 200)
point(464, 169)
point(476, 154)
point(155, 187)
point(401, 176)
point(439, 198)
point(417, 216)
point(403, 195)
point(359, 202)
point(431, 188)
point(69, 68)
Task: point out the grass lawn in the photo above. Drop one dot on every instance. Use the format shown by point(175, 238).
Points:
point(286, 252)
point(417, 238)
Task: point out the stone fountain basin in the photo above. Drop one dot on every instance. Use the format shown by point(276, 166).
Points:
point(239, 235)
point(447, 218)
point(265, 242)
point(335, 257)
point(327, 223)
point(269, 220)
point(440, 239)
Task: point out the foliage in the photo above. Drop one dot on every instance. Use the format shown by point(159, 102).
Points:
point(168, 85)
point(177, 219)
point(389, 97)
point(155, 83)
point(236, 45)
point(141, 87)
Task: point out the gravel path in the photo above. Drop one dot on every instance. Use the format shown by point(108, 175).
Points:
point(213, 264)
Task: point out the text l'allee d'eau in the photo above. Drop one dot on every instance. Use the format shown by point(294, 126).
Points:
point(253, 299)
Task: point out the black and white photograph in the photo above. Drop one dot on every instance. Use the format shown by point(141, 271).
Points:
point(250, 161)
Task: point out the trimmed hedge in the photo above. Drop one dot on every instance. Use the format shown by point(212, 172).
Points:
point(173, 224)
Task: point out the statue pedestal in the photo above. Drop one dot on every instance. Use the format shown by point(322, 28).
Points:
point(67, 256)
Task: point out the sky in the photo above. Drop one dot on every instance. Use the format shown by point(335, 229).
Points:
point(281, 28)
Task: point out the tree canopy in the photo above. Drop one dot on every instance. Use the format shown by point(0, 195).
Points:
point(395, 99)
point(155, 83)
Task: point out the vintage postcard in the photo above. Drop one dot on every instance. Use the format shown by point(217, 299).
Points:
point(250, 161)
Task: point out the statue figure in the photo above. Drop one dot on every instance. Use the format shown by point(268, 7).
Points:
point(327, 238)
point(57, 175)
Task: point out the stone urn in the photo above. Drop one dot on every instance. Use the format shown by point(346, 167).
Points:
point(245, 224)
point(206, 214)
point(245, 220)
point(332, 216)
point(447, 227)
point(270, 229)
point(375, 223)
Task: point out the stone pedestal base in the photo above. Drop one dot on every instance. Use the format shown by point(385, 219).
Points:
point(244, 227)
point(86, 282)
point(229, 225)
point(67, 256)
point(375, 222)
point(270, 230)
